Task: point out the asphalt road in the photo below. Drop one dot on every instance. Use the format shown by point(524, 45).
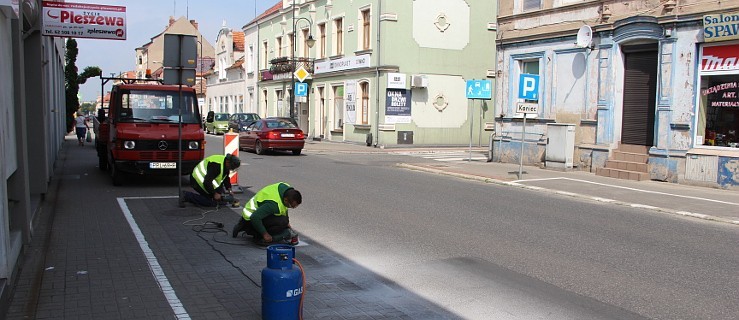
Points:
point(492, 252)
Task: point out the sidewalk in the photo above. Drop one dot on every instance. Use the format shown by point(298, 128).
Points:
point(671, 198)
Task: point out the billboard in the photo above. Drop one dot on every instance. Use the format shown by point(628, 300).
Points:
point(81, 20)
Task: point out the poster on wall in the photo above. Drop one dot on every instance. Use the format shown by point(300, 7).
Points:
point(350, 102)
point(398, 106)
point(82, 20)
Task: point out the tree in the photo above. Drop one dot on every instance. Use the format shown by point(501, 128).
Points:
point(74, 80)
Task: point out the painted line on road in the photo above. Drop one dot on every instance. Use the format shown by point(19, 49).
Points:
point(151, 259)
point(634, 189)
point(518, 183)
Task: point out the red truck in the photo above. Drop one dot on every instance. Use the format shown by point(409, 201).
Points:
point(141, 131)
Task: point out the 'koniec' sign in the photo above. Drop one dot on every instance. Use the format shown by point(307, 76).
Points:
point(721, 27)
point(81, 20)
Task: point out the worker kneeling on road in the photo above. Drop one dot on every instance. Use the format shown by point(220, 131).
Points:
point(210, 179)
point(265, 216)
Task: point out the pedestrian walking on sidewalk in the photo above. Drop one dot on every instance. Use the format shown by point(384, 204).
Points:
point(211, 180)
point(81, 125)
point(265, 216)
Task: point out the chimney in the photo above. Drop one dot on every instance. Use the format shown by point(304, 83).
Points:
point(194, 24)
point(171, 21)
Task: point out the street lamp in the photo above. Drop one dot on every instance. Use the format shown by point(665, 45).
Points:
point(310, 42)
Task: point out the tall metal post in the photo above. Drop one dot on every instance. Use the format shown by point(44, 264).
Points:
point(523, 140)
point(292, 72)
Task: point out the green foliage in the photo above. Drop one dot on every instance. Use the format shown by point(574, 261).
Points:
point(74, 80)
point(88, 107)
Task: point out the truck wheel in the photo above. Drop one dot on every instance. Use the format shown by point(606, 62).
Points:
point(116, 175)
point(258, 149)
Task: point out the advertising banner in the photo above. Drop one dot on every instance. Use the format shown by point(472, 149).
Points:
point(717, 58)
point(398, 106)
point(350, 102)
point(81, 20)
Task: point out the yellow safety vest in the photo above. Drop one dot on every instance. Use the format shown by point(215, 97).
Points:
point(202, 169)
point(270, 192)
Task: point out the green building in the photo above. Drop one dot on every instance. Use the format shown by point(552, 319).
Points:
point(381, 72)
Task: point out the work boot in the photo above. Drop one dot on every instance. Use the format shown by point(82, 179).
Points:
point(238, 228)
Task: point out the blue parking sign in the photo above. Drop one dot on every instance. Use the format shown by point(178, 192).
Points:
point(528, 87)
point(301, 89)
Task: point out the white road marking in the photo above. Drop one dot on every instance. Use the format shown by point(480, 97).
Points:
point(151, 259)
point(632, 189)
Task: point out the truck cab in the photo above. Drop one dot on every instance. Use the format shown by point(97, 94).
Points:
point(147, 126)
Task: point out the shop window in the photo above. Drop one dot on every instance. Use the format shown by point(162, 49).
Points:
point(718, 114)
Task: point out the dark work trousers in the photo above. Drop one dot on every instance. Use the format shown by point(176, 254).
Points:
point(202, 198)
point(276, 227)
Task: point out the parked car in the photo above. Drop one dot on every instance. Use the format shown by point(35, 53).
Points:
point(272, 134)
point(239, 121)
point(216, 123)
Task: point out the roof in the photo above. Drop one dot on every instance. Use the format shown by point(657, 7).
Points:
point(237, 64)
point(238, 38)
point(273, 9)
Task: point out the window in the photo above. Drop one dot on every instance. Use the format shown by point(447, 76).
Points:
point(289, 49)
point(280, 103)
point(322, 40)
point(265, 52)
point(339, 36)
point(529, 5)
point(306, 48)
point(718, 113)
point(366, 28)
point(338, 107)
point(278, 44)
point(364, 87)
point(250, 60)
point(240, 103)
point(530, 67)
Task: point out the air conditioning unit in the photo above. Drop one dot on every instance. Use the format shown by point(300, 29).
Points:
point(419, 81)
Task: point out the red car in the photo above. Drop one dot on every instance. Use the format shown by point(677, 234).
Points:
point(272, 134)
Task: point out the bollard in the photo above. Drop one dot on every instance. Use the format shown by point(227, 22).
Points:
point(231, 145)
point(282, 285)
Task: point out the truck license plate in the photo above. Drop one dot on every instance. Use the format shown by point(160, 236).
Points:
point(163, 165)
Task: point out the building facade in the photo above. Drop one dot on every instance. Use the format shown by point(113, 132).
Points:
point(32, 129)
point(226, 81)
point(382, 73)
point(648, 86)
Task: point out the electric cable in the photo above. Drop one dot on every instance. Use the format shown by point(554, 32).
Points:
point(215, 227)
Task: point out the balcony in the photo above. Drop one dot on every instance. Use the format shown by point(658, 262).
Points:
point(285, 65)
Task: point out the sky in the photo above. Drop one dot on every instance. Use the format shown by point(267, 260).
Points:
point(147, 18)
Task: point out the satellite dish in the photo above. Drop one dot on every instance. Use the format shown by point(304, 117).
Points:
point(584, 37)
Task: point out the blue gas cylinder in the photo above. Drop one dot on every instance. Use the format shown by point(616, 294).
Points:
point(282, 285)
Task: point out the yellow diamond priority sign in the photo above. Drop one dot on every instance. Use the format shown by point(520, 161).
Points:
point(301, 74)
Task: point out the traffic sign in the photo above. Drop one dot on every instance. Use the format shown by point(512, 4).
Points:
point(527, 108)
point(301, 74)
point(479, 89)
point(301, 89)
point(528, 87)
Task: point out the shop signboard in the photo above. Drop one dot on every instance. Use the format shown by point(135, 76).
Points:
point(348, 63)
point(398, 106)
point(720, 58)
point(82, 20)
point(721, 26)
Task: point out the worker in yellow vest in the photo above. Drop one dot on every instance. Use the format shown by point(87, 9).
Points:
point(265, 215)
point(211, 180)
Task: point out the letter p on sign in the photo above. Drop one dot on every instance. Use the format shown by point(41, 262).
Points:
point(528, 87)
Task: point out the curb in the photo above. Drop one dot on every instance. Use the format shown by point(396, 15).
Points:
point(566, 193)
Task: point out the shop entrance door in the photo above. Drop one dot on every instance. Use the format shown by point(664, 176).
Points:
point(640, 89)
